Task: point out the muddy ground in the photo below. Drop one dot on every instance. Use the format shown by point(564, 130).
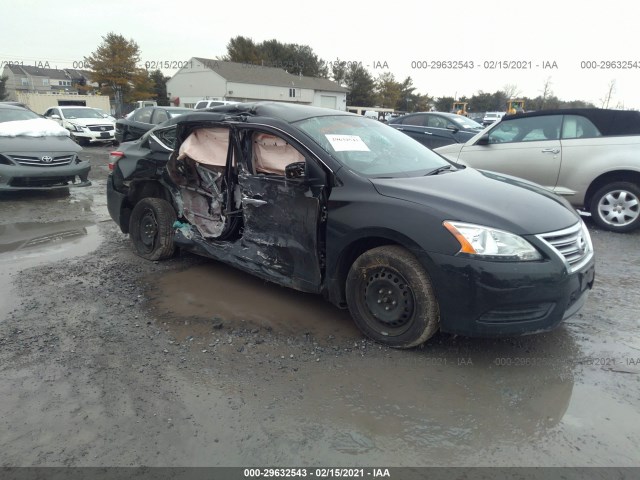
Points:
point(107, 359)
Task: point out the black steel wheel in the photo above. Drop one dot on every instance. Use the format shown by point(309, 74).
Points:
point(391, 298)
point(151, 228)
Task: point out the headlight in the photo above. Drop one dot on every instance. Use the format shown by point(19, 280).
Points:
point(76, 128)
point(491, 244)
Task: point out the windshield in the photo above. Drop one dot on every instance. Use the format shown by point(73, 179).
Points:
point(12, 115)
point(80, 113)
point(371, 148)
point(468, 123)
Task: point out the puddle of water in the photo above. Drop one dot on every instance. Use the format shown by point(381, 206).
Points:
point(40, 236)
point(218, 290)
point(402, 403)
point(25, 245)
point(404, 410)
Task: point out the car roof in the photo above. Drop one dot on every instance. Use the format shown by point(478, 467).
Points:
point(284, 111)
point(447, 114)
point(8, 106)
point(609, 122)
point(162, 107)
point(287, 112)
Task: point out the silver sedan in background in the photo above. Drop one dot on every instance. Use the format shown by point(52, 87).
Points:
point(38, 154)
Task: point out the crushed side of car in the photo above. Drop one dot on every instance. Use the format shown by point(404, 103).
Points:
point(226, 207)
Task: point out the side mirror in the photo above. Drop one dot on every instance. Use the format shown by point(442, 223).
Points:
point(104, 115)
point(453, 128)
point(55, 117)
point(483, 140)
point(294, 170)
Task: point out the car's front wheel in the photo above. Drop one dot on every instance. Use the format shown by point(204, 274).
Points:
point(616, 207)
point(151, 228)
point(391, 298)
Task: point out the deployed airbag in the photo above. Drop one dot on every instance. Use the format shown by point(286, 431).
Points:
point(208, 146)
point(272, 154)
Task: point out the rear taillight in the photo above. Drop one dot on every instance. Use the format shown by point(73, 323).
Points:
point(113, 158)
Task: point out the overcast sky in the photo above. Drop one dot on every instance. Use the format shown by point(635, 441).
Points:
point(398, 33)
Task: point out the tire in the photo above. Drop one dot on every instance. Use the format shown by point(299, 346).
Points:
point(151, 228)
point(616, 207)
point(404, 318)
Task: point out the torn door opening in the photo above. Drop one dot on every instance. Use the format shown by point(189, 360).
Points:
point(199, 172)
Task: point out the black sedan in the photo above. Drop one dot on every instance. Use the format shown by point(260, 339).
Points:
point(144, 119)
point(436, 129)
point(332, 203)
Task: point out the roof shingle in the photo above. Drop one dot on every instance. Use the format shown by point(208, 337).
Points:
point(261, 75)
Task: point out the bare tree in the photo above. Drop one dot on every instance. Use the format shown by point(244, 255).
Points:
point(546, 91)
point(511, 91)
point(607, 98)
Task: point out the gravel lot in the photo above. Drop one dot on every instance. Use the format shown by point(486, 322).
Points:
point(110, 360)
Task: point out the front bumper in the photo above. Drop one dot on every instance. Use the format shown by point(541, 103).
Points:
point(18, 177)
point(95, 137)
point(484, 299)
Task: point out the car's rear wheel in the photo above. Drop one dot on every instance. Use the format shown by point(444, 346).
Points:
point(151, 228)
point(616, 207)
point(391, 298)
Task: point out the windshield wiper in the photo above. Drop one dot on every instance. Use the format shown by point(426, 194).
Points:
point(438, 170)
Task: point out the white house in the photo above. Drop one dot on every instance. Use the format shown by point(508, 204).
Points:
point(203, 78)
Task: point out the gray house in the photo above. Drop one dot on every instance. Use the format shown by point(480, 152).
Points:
point(203, 78)
point(29, 79)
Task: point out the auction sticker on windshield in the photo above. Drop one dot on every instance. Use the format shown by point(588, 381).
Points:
point(347, 143)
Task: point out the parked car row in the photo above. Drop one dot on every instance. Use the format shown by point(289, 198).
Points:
point(436, 129)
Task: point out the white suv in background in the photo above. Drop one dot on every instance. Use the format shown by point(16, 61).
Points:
point(212, 103)
point(85, 124)
point(492, 117)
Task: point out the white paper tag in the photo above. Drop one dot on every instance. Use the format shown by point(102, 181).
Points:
point(347, 143)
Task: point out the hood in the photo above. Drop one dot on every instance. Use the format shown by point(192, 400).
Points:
point(35, 127)
point(484, 198)
point(451, 152)
point(38, 145)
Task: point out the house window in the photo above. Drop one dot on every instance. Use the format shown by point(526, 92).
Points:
point(45, 82)
point(25, 82)
point(292, 93)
